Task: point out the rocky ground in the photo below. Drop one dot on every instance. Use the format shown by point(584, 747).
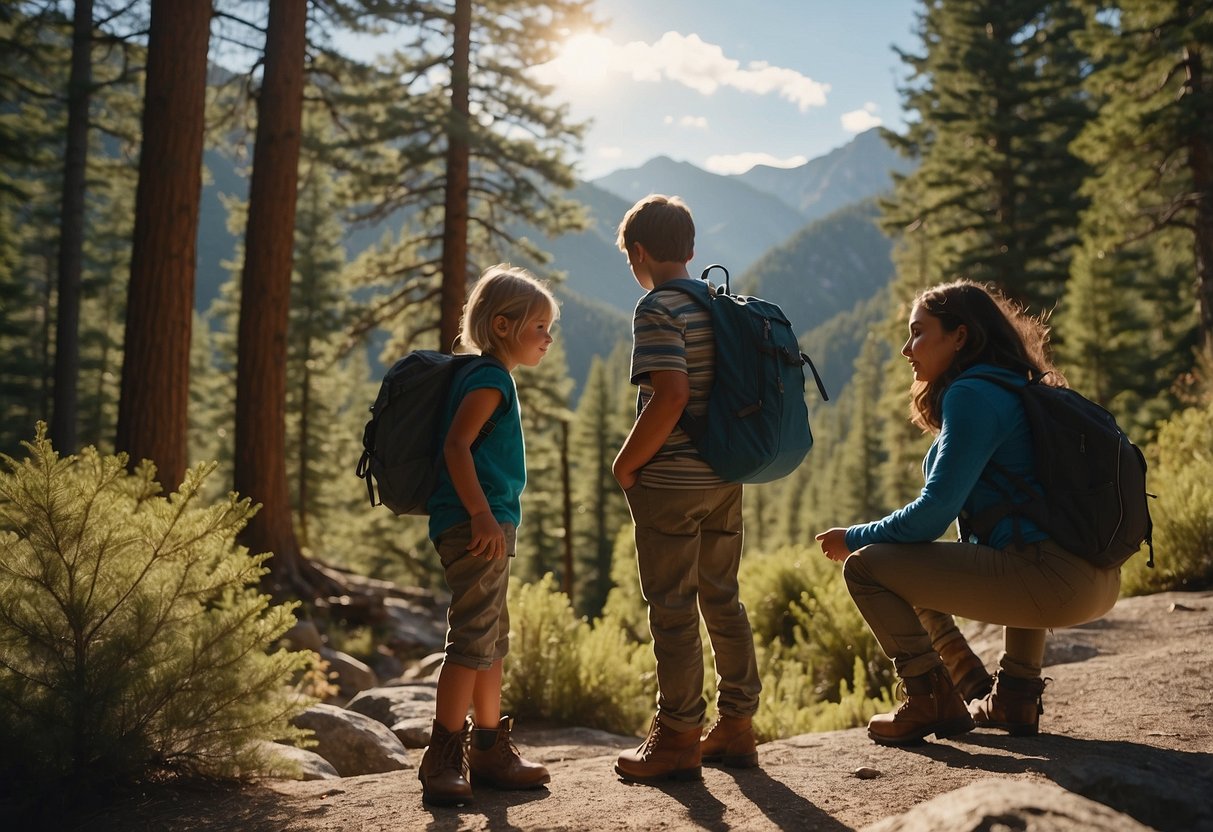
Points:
point(1128, 724)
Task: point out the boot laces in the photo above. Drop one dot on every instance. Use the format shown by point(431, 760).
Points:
point(453, 753)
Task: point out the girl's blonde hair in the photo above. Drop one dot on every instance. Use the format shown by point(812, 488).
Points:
point(503, 290)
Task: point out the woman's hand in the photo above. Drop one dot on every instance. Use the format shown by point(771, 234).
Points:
point(834, 544)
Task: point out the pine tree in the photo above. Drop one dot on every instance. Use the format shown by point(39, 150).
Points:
point(599, 429)
point(152, 414)
point(1151, 147)
point(995, 99)
point(398, 157)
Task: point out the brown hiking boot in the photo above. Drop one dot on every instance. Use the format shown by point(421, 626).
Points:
point(1014, 705)
point(665, 754)
point(443, 771)
point(730, 742)
point(932, 706)
point(966, 670)
point(495, 761)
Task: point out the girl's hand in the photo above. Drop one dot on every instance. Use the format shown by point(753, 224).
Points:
point(488, 538)
point(834, 544)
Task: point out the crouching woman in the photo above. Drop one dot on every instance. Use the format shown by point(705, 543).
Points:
point(908, 586)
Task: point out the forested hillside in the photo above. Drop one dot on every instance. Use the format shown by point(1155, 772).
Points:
point(203, 273)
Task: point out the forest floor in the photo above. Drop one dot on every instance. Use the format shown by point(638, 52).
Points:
point(1132, 693)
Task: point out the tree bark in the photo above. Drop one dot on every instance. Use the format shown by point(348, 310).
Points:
point(1200, 153)
point(455, 215)
point(71, 232)
point(265, 288)
point(152, 408)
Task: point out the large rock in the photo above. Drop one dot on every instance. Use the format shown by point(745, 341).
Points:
point(351, 674)
point(413, 627)
point(311, 765)
point(353, 743)
point(1009, 804)
point(408, 710)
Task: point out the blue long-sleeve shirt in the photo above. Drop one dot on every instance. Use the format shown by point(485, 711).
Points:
point(982, 422)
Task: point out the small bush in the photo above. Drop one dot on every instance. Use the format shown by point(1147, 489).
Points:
point(132, 635)
point(562, 668)
point(1181, 473)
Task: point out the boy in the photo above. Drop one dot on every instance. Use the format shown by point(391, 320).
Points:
point(688, 520)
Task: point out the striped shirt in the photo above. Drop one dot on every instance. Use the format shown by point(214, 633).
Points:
point(670, 331)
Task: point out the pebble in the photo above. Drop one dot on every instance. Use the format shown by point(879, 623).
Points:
point(866, 773)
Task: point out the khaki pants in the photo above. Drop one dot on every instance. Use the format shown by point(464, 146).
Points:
point(688, 550)
point(1027, 590)
point(478, 621)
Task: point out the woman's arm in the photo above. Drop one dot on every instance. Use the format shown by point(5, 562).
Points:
point(970, 432)
point(476, 408)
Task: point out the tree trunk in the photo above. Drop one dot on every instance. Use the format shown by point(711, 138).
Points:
point(152, 408)
point(71, 232)
point(1200, 153)
point(566, 491)
point(455, 216)
point(265, 289)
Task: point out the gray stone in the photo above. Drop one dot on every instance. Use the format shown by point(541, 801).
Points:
point(351, 674)
point(390, 705)
point(1009, 804)
point(353, 743)
point(311, 765)
point(304, 636)
point(411, 626)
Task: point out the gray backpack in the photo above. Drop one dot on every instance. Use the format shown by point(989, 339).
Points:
point(401, 457)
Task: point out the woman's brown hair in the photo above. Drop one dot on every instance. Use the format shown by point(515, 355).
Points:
point(999, 332)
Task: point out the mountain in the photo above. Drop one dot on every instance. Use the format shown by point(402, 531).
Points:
point(860, 169)
point(829, 272)
point(826, 268)
point(734, 222)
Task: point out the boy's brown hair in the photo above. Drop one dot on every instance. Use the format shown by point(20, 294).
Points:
point(663, 225)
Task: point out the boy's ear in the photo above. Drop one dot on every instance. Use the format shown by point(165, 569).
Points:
point(639, 253)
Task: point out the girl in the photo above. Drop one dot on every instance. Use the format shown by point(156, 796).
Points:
point(474, 514)
point(905, 584)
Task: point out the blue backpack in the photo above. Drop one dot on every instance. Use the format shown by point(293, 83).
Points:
point(756, 428)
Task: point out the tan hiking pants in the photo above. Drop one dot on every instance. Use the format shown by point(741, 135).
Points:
point(688, 549)
point(1027, 589)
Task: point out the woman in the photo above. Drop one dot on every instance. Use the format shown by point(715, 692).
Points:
point(907, 586)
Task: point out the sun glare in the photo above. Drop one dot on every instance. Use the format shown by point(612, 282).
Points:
point(584, 62)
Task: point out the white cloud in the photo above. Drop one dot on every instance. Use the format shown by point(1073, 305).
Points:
point(857, 121)
point(683, 59)
point(610, 152)
point(726, 164)
point(690, 122)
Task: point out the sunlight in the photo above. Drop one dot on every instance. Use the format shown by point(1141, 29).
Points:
point(584, 62)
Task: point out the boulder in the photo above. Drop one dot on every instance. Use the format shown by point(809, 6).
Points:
point(311, 765)
point(408, 710)
point(353, 743)
point(350, 674)
point(1009, 804)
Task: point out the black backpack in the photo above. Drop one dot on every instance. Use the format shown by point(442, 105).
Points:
point(1094, 503)
point(756, 428)
point(400, 457)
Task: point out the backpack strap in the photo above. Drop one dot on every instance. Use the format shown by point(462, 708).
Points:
point(491, 424)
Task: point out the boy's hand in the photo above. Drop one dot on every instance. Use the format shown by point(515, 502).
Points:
point(834, 544)
point(626, 479)
point(488, 538)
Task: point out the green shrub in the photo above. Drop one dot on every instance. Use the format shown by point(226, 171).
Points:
point(801, 611)
point(1181, 474)
point(132, 635)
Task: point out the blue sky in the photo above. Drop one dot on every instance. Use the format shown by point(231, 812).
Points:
point(724, 84)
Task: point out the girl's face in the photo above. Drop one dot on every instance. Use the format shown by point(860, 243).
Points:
point(930, 348)
point(532, 341)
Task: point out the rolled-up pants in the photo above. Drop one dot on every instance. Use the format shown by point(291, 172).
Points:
point(1026, 589)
